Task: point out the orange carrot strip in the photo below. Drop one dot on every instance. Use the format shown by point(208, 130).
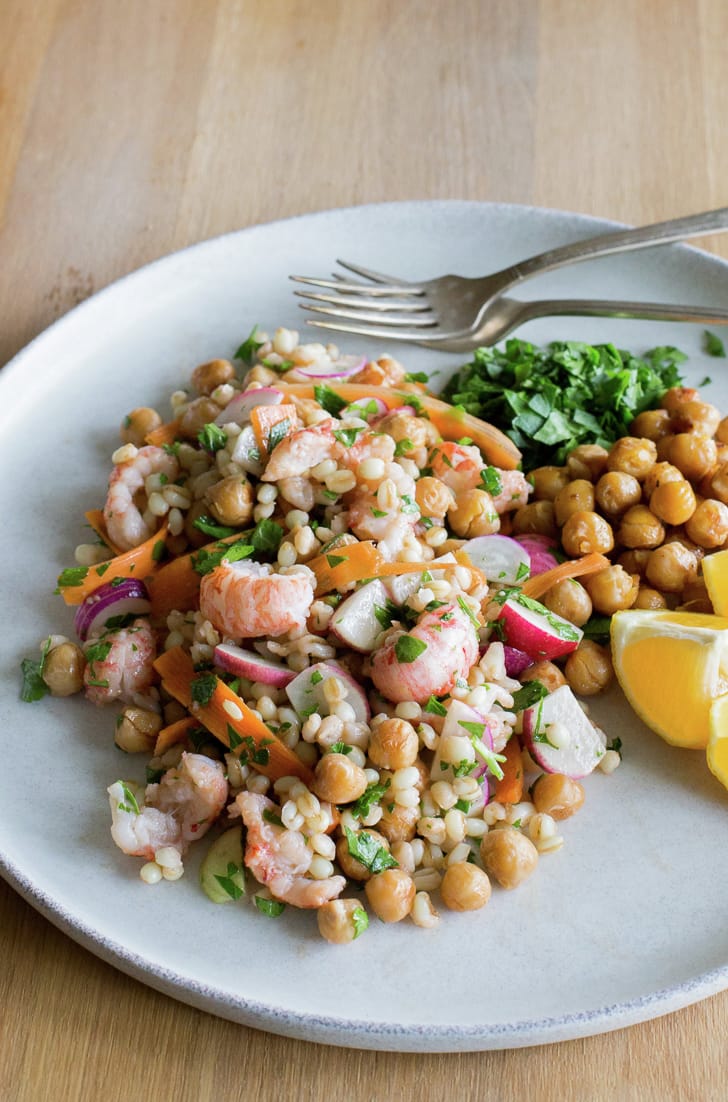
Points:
point(174, 733)
point(264, 418)
point(95, 520)
point(342, 565)
point(451, 423)
point(592, 563)
point(509, 790)
point(176, 585)
point(247, 736)
point(165, 434)
point(139, 563)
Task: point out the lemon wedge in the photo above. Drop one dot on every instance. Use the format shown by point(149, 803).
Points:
point(717, 751)
point(672, 666)
point(715, 573)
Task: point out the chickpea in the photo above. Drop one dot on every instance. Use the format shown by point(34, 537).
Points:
point(663, 447)
point(635, 455)
point(589, 669)
point(616, 491)
point(393, 744)
point(391, 894)
point(338, 780)
point(569, 599)
point(137, 425)
point(721, 433)
point(199, 413)
point(660, 475)
point(231, 500)
point(433, 497)
point(473, 514)
point(649, 598)
point(557, 795)
point(587, 461)
point(694, 597)
point(403, 426)
point(349, 865)
point(548, 481)
point(208, 376)
point(673, 502)
point(640, 528)
point(508, 856)
point(537, 517)
point(264, 376)
point(715, 483)
point(577, 497)
point(673, 398)
point(63, 669)
point(398, 824)
point(137, 730)
point(652, 424)
point(692, 454)
point(341, 920)
point(586, 531)
point(671, 567)
point(694, 416)
point(612, 589)
point(547, 673)
point(195, 537)
point(634, 562)
point(708, 526)
point(465, 887)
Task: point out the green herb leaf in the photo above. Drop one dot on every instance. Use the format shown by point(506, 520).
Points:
point(528, 695)
point(328, 399)
point(153, 776)
point(491, 479)
point(416, 377)
point(212, 528)
point(385, 616)
point(272, 818)
point(228, 883)
point(204, 562)
point(340, 748)
point(202, 688)
point(212, 437)
point(335, 560)
point(97, 652)
point(403, 446)
point(266, 537)
point(34, 687)
point(278, 432)
point(130, 802)
point(561, 627)
point(270, 907)
point(408, 648)
point(713, 345)
point(360, 921)
point(372, 795)
point(365, 849)
point(159, 550)
point(173, 448)
point(347, 437)
point(616, 745)
point(249, 347)
point(597, 628)
point(435, 707)
point(465, 607)
point(72, 575)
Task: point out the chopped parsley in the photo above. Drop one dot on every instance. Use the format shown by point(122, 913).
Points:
point(270, 907)
point(462, 805)
point(416, 377)
point(403, 446)
point(367, 851)
point(360, 921)
point(409, 505)
point(616, 745)
point(465, 607)
point(528, 695)
point(154, 776)
point(347, 437)
point(229, 882)
point(249, 347)
point(204, 562)
point(372, 795)
point(522, 572)
point(340, 748)
point(159, 550)
point(97, 652)
point(378, 513)
point(435, 707)
point(173, 448)
point(597, 628)
point(266, 537)
point(278, 432)
point(272, 818)
point(130, 802)
point(491, 759)
point(202, 688)
point(212, 437)
point(335, 560)
point(713, 345)
point(316, 677)
point(34, 687)
point(329, 400)
point(561, 627)
point(387, 614)
point(408, 648)
point(72, 575)
point(211, 528)
point(492, 482)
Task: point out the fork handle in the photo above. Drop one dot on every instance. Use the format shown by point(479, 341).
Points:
point(660, 233)
point(610, 308)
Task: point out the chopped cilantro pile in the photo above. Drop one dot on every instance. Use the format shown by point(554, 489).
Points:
point(549, 400)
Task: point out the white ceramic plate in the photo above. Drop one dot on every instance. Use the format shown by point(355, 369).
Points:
point(626, 922)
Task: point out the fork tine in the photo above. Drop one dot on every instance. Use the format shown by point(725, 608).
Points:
point(376, 277)
point(355, 288)
point(386, 333)
point(361, 302)
point(417, 320)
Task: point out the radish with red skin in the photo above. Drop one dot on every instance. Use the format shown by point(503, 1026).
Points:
point(343, 368)
point(356, 623)
point(530, 627)
point(516, 661)
point(248, 664)
point(540, 551)
point(120, 597)
point(560, 737)
point(238, 408)
point(362, 408)
point(500, 558)
point(307, 697)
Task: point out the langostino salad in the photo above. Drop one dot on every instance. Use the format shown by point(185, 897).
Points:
point(346, 632)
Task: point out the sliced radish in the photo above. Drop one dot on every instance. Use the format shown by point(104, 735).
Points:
point(342, 368)
point(361, 618)
point(306, 692)
point(246, 452)
point(540, 551)
point(516, 661)
point(408, 411)
point(368, 409)
point(500, 558)
point(406, 585)
point(560, 737)
point(107, 606)
point(246, 663)
point(238, 408)
point(530, 627)
point(464, 722)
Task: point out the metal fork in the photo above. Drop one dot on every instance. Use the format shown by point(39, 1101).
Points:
point(455, 313)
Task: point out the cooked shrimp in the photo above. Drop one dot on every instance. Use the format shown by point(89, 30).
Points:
point(450, 649)
point(125, 524)
point(177, 811)
point(280, 858)
point(119, 664)
point(301, 450)
point(390, 530)
point(382, 372)
point(514, 491)
point(247, 599)
point(457, 465)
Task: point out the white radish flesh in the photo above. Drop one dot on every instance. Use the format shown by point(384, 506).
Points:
point(307, 696)
point(238, 408)
point(356, 621)
point(500, 558)
point(248, 664)
point(560, 737)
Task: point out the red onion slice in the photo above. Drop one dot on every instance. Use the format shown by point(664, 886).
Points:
point(343, 368)
point(112, 600)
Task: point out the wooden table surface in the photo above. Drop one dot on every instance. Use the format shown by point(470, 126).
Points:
point(130, 130)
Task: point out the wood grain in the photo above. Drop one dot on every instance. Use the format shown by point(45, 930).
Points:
point(128, 130)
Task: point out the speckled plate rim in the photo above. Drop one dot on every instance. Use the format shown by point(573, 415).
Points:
point(337, 1030)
